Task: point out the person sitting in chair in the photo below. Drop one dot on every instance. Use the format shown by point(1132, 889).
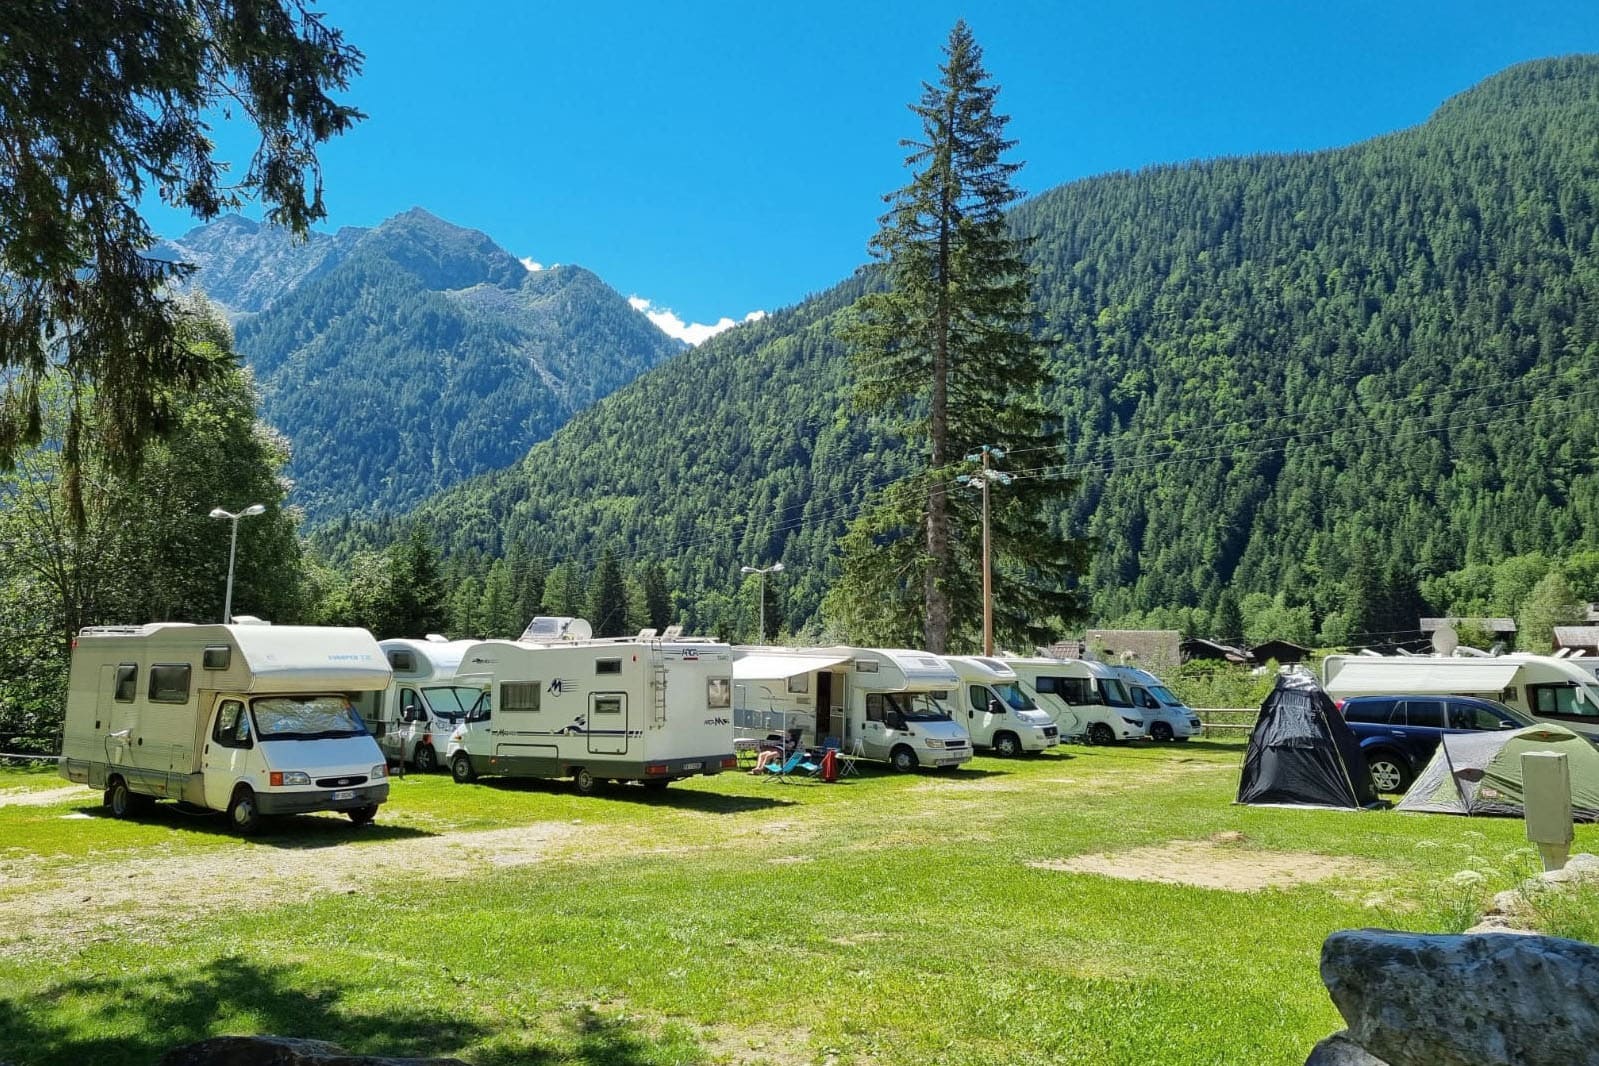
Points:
point(771, 753)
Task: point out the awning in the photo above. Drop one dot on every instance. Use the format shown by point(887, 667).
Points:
point(1418, 676)
point(782, 667)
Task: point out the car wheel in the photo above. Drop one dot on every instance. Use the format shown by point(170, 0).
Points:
point(1006, 744)
point(587, 784)
point(461, 768)
point(425, 759)
point(903, 759)
point(1160, 731)
point(1388, 773)
point(243, 814)
point(363, 815)
point(1100, 733)
point(119, 798)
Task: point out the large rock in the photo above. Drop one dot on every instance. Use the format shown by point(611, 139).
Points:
point(280, 1051)
point(1490, 999)
point(1339, 1050)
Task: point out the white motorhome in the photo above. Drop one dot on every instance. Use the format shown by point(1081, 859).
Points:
point(647, 709)
point(997, 713)
point(878, 703)
point(1165, 716)
point(1555, 690)
point(1087, 700)
point(413, 718)
point(254, 720)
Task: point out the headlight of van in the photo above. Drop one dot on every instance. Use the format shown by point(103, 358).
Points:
point(934, 743)
point(290, 777)
point(380, 771)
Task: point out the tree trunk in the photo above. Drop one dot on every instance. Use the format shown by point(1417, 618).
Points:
point(935, 594)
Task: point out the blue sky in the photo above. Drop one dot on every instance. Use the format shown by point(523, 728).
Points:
point(719, 159)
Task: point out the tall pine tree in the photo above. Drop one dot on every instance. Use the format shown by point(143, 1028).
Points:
point(947, 353)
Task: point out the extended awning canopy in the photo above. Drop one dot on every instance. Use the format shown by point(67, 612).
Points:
point(782, 667)
point(1389, 677)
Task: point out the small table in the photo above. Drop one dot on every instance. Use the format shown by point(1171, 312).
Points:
point(744, 750)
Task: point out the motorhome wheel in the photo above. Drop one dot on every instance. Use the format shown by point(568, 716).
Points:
point(119, 798)
point(363, 815)
point(425, 758)
point(903, 759)
point(243, 814)
point(461, 769)
point(586, 782)
point(1160, 731)
point(1007, 745)
point(1100, 733)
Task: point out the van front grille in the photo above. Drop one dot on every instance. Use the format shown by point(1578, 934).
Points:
point(340, 782)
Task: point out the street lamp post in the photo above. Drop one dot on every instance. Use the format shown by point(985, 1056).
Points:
point(775, 568)
point(981, 480)
point(233, 548)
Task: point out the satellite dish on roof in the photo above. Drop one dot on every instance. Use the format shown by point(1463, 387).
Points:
point(1445, 640)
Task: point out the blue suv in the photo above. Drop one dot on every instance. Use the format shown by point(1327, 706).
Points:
point(1400, 733)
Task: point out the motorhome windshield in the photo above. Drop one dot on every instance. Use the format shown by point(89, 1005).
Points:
point(912, 706)
point(1012, 694)
point(1163, 694)
point(1115, 692)
point(305, 717)
point(451, 701)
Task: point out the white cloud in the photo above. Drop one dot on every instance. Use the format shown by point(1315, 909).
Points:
point(693, 332)
point(528, 262)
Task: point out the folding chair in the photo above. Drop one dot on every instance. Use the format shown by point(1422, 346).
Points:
point(781, 770)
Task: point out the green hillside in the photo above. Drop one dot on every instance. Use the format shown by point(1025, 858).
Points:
point(403, 359)
point(1275, 372)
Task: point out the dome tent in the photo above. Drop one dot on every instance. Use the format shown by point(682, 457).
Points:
point(1480, 773)
point(1301, 752)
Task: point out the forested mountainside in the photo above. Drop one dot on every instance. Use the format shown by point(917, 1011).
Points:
point(1278, 373)
point(403, 359)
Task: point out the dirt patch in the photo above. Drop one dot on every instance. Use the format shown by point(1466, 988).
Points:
point(762, 1045)
point(76, 900)
point(46, 797)
point(1207, 864)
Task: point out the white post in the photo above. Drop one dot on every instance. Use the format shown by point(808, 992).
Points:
point(1546, 789)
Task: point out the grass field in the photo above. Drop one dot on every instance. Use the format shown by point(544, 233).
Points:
point(958, 918)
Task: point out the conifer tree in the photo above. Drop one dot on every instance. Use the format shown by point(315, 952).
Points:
point(607, 611)
point(947, 352)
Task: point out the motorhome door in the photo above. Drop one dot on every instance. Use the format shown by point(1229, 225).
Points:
point(608, 723)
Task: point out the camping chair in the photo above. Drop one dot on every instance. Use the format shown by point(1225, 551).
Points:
point(781, 770)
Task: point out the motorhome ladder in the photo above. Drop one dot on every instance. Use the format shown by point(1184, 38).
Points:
point(658, 669)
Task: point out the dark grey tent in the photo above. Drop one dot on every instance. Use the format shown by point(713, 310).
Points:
point(1302, 753)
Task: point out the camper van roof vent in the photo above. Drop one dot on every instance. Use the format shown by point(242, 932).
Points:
point(249, 620)
point(547, 628)
point(646, 634)
point(437, 638)
point(671, 632)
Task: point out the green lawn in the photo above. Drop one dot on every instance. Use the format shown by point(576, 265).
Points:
point(884, 920)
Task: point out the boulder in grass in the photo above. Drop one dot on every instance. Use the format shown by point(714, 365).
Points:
point(280, 1051)
point(1490, 999)
point(1340, 1050)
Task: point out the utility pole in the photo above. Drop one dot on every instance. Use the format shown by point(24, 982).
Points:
point(980, 481)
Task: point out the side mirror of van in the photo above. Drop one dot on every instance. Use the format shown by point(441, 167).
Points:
point(1508, 724)
point(412, 713)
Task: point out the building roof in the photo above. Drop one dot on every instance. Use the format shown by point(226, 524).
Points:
point(1577, 636)
point(1199, 648)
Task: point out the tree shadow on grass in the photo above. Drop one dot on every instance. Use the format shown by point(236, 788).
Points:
point(296, 832)
point(133, 1018)
point(678, 799)
point(591, 1039)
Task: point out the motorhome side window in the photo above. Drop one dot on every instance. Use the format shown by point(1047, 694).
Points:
point(874, 706)
point(233, 725)
point(607, 666)
point(608, 704)
point(979, 697)
point(127, 682)
point(402, 661)
point(169, 683)
point(799, 684)
point(1560, 701)
point(519, 696)
point(719, 692)
point(217, 658)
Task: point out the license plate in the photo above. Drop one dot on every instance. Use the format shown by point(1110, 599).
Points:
point(345, 794)
point(950, 762)
point(693, 766)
